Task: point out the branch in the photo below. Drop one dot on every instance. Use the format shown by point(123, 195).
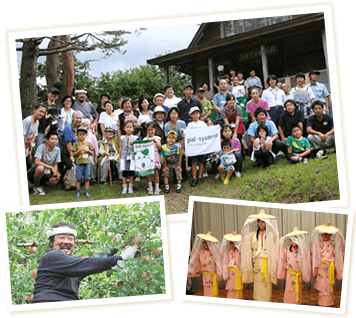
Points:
point(35, 244)
point(72, 48)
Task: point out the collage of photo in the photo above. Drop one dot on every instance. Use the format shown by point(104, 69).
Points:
point(205, 174)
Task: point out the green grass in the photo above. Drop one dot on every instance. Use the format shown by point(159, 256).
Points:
point(281, 183)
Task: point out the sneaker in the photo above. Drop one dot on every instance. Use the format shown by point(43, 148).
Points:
point(319, 156)
point(124, 191)
point(157, 191)
point(39, 191)
point(87, 194)
point(237, 174)
point(131, 191)
point(199, 181)
point(305, 160)
point(78, 194)
point(167, 189)
point(217, 176)
point(150, 190)
point(179, 190)
point(193, 183)
point(280, 153)
point(205, 174)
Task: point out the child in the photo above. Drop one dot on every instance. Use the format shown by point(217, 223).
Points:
point(127, 164)
point(199, 159)
point(298, 147)
point(81, 150)
point(109, 152)
point(227, 161)
point(294, 265)
point(231, 264)
point(260, 153)
point(227, 134)
point(205, 259)
point(151, 130)
point(327, 258)
point(172, 158)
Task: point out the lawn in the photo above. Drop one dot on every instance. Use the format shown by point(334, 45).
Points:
point(281, 183)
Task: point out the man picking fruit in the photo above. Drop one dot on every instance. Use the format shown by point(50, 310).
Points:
point(59, 274)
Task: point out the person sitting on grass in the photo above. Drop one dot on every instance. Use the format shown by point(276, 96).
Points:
point(227, 161)
point(82, 150)
point(60, 274)
point(298, 147)
point(290, 116)
point(44, 169)
point(260, 153)
point(172, 158)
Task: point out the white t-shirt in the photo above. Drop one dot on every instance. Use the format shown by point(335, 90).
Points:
point(108, 121)
point(199, 124)
point(171, 102)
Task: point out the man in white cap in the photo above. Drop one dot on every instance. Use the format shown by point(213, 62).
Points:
point(59, 274)
point(87, 109)
point(218, 76)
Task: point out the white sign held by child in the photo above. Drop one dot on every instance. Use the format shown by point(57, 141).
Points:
point(144, 157)
point(202, 141)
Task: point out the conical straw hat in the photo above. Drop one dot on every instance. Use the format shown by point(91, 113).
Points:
point(234, 237)
point(296, 232)
point(262, 215)
point(327, 228)
point(208, 237)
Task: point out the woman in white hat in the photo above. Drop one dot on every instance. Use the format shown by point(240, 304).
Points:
point(231, 264)
point(205, 260)
point(259, 255)
point(327, 258)
point(294, 265)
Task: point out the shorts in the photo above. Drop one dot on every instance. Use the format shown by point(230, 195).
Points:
point(82, 170)
point(45, 178)
point(196, 159)
point(173, 166)
point(226, 168)
point(128, 173)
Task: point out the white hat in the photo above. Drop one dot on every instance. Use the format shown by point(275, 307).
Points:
point(220, 68)
point(193, 109)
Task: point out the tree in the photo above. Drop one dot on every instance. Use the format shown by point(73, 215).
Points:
point(66, 45)
point(96, 227)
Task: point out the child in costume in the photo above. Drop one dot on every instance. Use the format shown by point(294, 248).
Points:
point(294, 265)
point(327, 257)
point(259, 255)
point(205, 260)
point(231, 264)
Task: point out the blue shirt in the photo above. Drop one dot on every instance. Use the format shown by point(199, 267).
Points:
point(219, 100)
point(320, 91)
point(67, 135)
point(179, 129)
point(272, 129)
point(253, 82)
point(184, 106)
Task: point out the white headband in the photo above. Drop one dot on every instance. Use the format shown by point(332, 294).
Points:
point(77, 91)
point(61, 230)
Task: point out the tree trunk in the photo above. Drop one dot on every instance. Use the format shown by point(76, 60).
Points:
point(28, 89)
point(52, 65)
point(68, 71)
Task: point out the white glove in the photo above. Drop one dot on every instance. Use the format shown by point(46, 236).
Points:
point(129, 253)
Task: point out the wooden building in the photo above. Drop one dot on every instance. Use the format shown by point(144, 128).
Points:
point(283, 46)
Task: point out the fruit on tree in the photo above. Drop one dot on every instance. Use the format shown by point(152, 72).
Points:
point(34, 273)
point(29, 298)
point(157, 250)
point(138, 240)
point(32, 249)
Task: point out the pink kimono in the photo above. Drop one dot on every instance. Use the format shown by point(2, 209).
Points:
point(232, 274)
point(289, 268)
point(204, 264)
point(325, 273)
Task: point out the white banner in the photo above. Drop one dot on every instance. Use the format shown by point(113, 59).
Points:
point(144, 156)
point(201, 141)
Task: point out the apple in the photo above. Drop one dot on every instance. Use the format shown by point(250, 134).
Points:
point(85, 256)
point(34, 273)
point(138, 240)
point(29, 298)
point(157, 250)
point(32, 249)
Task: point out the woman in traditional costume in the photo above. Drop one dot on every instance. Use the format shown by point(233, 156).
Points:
point(259, 256)
point(231, 264)
point(294, 265)
point(327, 258)
point(205, 260)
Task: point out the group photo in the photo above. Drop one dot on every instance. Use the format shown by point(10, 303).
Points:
point(83, 137)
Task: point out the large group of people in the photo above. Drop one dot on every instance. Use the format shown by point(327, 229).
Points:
point(258, 256)
point(98, 141)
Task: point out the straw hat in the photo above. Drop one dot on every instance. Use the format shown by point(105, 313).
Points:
point(208, 237)
point(262, 215)
point(327, 228)
point(233, 237)
point(296, 232)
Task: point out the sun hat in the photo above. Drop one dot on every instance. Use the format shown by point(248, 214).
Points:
point(327, 228)
point(159, 109)
point(172, 133)
point(208, 237)
point(262, 215)
point(233, 237)
point(158, 95)
point(296, 232)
